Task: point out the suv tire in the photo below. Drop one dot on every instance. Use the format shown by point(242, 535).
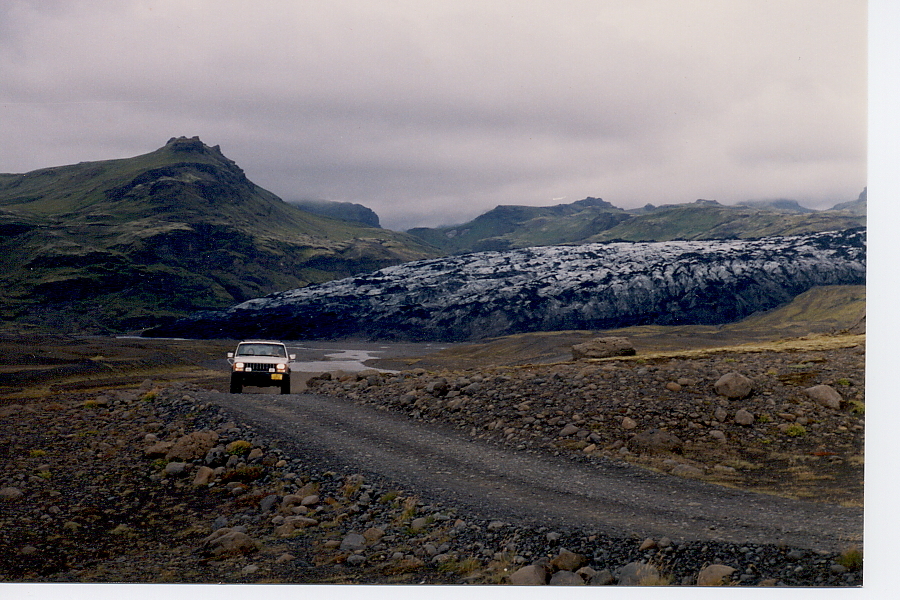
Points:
point(236, 387)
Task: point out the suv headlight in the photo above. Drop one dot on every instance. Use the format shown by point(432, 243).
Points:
point(281, 368)
point(238, 366)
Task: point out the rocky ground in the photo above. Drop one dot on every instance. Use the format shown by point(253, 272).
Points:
point(150, 484)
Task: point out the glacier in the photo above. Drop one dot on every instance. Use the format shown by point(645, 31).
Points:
point(591, 286)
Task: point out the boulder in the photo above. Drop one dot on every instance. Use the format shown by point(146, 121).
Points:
point(715, 575)
point(744, 417)
point(530, 575)
point(655, 440)
point(10, 493)
point(203, 476)
point(733, 386)
point(193, 445)
point(636, 573)
point(567, 560)
point(825, 395)
point(227, 541)
point(353, 542)
point(566, 578)
point(604, 347)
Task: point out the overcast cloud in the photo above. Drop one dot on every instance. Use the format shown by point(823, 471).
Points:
point(432, 112)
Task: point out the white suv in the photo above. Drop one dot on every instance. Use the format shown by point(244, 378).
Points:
point(260, 363)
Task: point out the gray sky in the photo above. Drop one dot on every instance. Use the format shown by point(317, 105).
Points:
point(433, 112)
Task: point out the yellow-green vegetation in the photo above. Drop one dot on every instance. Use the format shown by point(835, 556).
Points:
point(655, 580)
point(90, 403)
point(851, 558)
point(857, 408)
point(238, 447)
point(795, 430)
point(389, 497)
point(149, 396)
point(409, 509)
point(37, 453)
point(463, 567)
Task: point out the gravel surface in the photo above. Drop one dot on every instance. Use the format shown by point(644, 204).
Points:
point(182, 484)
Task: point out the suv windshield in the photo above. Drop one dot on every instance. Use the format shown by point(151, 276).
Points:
point(260, 350)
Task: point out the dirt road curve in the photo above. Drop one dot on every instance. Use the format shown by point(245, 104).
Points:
point(444, 466)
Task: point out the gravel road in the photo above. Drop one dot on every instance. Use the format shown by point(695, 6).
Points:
point(446, 466)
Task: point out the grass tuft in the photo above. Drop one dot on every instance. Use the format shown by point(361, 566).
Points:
point(851, 558)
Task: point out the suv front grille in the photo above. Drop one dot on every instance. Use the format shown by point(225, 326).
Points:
point(259, 367)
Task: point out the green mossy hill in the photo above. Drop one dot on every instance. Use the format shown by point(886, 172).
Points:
point(124, 244)
point(709, 220)
point(508, 227)
point(593, 220)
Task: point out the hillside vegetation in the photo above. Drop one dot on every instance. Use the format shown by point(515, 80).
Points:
point(125, 244)
point(594, 220)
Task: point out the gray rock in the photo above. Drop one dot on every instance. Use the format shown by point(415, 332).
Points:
point(733, 386)
point(353, 542)
point(637, 573)
point(603, 577)
point(567, 560)
point(655, 440)
point(354, 560)
point(715, 575)
point(267, 503)
point(530, 575)
point(603, 347)
point(683, 470)
point(570, 429)
point(229, 541)
point(744, 417)
point(10, 493)
point(566, 578)
point(825, 395)
point(175, 469)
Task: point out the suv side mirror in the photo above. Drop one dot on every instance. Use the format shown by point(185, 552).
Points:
point(292, 356)
point(231, 355)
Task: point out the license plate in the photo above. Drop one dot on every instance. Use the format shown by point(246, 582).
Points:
point(276, 377)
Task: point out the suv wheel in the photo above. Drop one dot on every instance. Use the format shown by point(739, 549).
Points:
point(286, 385)
point(236, 387)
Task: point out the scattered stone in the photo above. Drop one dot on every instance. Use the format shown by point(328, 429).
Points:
point(193, 446)
point(203, 476)
point(635, 573)
point(744, 417)
point(673, 386)
point(566, 578)
point(10, 493)
point(353, 542)
point(530, 575)
point(628, 423)
point(175, 469)
point(733, 386)
point(715, 575)
point(570, 429)
point(568, 561)
point(604, 347)
point(684, 470)
point(825, 395)
point(604, 577)
point(229, 541)
point(655, 440)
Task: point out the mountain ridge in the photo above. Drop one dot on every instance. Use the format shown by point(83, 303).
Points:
point(507, 227)
point(128, 243)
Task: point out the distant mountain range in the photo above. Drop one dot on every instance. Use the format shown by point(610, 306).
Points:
point(592, 286)
point(594, 220)
point(126, 244)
